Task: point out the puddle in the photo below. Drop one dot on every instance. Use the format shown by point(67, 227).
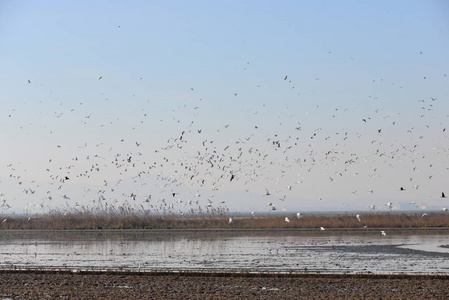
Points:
point(265, 251)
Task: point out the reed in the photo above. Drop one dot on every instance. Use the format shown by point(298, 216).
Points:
point(212, 218)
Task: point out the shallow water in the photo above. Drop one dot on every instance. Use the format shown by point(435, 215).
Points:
point(253, 251)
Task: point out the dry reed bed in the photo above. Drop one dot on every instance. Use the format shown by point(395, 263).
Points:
point(219, 220)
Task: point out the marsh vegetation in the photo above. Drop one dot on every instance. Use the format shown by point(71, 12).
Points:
point(216, 218)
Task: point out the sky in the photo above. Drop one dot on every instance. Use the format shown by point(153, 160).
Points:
point(156, 105)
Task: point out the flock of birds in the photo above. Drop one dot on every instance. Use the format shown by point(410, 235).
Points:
point(270, 156)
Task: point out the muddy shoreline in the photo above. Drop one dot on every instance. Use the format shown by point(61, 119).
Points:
point(155, 281)
point(119, 285)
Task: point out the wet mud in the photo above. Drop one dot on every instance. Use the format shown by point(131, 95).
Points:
point(51, 285)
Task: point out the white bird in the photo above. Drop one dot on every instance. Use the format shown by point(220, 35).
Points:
point(383, 233)
point(358, 217)
point(287, 220)
point(230, 221)
point(298, 215)
point(322, 228)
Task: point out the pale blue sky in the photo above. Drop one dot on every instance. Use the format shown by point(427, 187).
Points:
point(166, 64)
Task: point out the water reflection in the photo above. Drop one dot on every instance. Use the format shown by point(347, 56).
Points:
point(255, 251)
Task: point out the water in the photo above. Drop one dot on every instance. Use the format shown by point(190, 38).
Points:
point(407, 252)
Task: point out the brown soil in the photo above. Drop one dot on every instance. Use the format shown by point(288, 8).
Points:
point(49, 285)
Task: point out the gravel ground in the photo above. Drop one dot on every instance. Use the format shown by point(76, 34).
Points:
point(26, 285)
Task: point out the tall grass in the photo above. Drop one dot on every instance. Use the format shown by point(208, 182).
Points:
point(213, 218)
